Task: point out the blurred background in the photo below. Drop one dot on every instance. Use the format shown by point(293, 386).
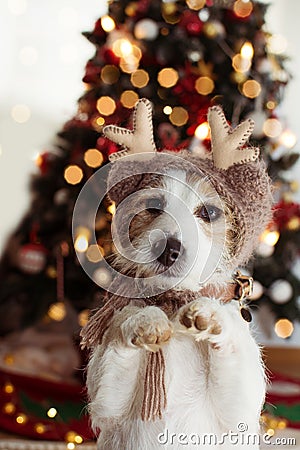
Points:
point(43, 60)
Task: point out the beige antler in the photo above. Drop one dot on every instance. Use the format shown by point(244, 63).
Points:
point(226, 142)
point(140, 140)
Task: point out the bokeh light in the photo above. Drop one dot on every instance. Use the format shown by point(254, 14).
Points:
point(168, 77)
point(106, 105)
point(204, 85)
point(108, 23)
point(251, 88)
point(179, 116)
point(73, 174)
point(20, 113)
point(93, 157)
point(284, 328)
point(129, 99)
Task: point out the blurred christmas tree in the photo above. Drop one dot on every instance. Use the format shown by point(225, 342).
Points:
point(184, 56)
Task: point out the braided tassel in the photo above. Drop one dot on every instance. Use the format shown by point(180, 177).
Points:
point(155, 399)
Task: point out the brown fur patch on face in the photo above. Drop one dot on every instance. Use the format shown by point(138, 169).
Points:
point(143, 218)
point(133, 219)
point(207, 192)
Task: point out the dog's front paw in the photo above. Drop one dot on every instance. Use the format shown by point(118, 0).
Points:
point(150, 328)
point(202, 319)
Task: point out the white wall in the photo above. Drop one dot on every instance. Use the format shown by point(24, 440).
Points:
point(49, 87)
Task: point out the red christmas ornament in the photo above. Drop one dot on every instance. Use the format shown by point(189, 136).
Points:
point(191, 22)
point(283, 212)
point(32, 258)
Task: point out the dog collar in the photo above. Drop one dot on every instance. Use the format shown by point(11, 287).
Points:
point(239, 289)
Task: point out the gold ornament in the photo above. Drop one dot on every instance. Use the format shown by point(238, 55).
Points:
point(196, 4)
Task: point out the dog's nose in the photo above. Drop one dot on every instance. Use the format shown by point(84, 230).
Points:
point(168, 252)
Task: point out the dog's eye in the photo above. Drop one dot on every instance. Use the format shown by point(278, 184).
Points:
point(208, 213)
point(154, 205)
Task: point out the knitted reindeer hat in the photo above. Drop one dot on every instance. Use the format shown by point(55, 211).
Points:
point(236, 173)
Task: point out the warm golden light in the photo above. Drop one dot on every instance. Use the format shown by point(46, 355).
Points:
point(288, 139)
point(108, 23)
point(21, 419)
point(270, 432)
point(57, 311)
point(167, 110)
point(100, 121)
point(73, 174)
point(282, 424)
point(202, 131)
point(272, 128)
point(139, 78)
point(204, 85)
point(179, 116)
point(122, 47)
point(243, 9)
point(130, 9)
point(284, 328)
point(167, 77)
point(40, 428)
point(196, 4)
point(83, 317)
point(106, 105)
point(270, 237)
point(241, 64)
point(238, 77)
point(70, 436)
point(78, 439)
point(9, 359)
point(94, 253)
point(247, 50)
point(93, 157)
point(8, 388)
point(110, 74)
point(70, 446)
point(271, 104)
point(129, 99)
point(52, 412)
point(251, 89)
point(112, 208)
point(9, 408)
point(170, 13)
point(293, 224)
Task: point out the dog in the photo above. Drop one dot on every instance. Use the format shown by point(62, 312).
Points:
point(173, 362)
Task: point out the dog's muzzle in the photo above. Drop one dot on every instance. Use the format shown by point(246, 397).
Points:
point(166, 251)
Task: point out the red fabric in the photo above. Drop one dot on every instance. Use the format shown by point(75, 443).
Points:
point(43, 394)
point(285, 404)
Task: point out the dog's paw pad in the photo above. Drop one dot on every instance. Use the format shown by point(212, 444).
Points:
point(148, 329)
point(201, 323)
point(145, 339)
point(200, 320)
